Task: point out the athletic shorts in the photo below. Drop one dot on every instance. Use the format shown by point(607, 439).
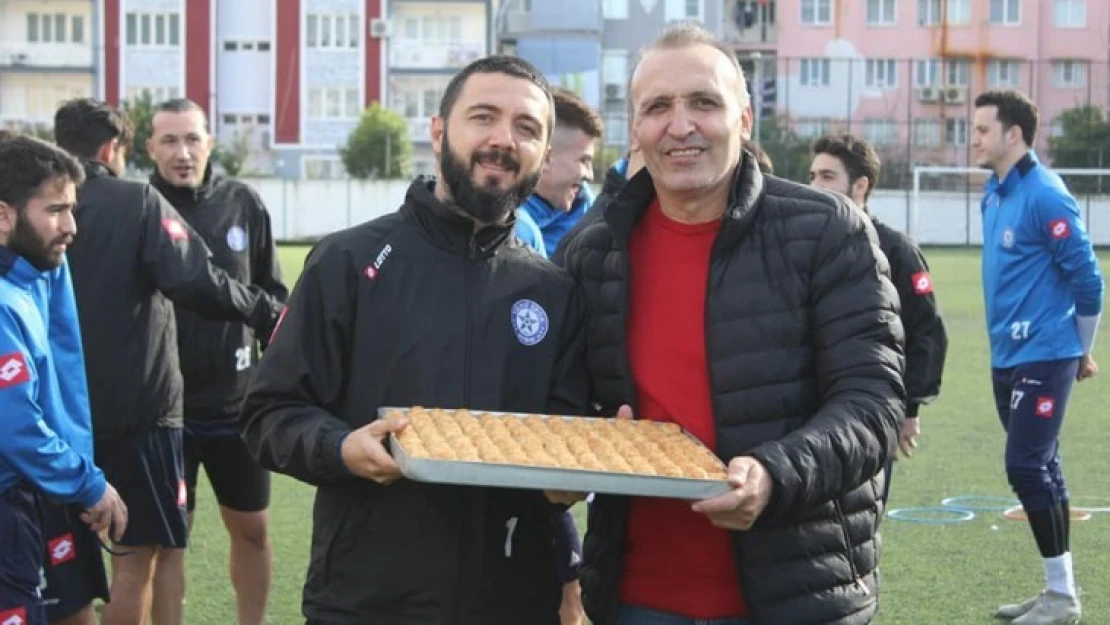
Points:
point(148, 470)
point(73, 569)
point(21, 546)
point(239, 482)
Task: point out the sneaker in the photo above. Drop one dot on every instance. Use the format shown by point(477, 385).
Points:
point(1053, 608)
point(1013, 610)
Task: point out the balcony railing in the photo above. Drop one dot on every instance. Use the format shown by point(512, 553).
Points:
point(424, 54)
point(45, 55)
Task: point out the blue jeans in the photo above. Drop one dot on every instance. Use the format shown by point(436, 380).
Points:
point(633, 615)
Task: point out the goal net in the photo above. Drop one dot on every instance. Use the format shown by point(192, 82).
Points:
point(944, 201)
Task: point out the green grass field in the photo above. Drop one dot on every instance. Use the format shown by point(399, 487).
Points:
point(953, 574)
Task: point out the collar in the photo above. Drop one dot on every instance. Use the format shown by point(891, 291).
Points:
point(745, 197)
point(544, 214)
point(1006, 186)
point(184, 196)
point(96, 169)
point(449, 229)
point(16, 269)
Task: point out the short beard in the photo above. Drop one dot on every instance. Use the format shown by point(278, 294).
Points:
point(486, 204)
point(28, 244)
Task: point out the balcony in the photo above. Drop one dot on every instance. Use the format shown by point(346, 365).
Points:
point(423, 54)
point(46, 56)
point(751, 25)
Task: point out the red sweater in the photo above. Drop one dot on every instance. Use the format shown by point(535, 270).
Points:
point(675, 560)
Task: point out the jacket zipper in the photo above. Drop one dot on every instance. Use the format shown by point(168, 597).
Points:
point(856, 579)
point(472, 252)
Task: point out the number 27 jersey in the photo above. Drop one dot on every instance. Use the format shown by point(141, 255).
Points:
point(1039, 268)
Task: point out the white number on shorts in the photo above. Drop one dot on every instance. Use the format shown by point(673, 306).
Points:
point(1019, 330)
point(1015, 399)
point(510, 527)
point(243, 359)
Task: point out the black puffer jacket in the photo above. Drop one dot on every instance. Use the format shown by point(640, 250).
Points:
point(805, 359)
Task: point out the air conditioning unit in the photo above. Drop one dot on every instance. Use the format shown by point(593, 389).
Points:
point(955, 95)
point(614, 91)
point(380, 28)
point(928, 94)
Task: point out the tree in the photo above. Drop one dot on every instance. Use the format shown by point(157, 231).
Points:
point(140, 110)
point(789, 152)
point(1083, 140)
point(233, 155)
point(379, 147)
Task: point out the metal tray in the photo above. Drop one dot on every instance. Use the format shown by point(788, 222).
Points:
point(469, 473)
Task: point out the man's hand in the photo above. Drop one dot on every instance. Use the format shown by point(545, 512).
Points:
point(739, 508)
point(365, 455)
point(1088, 368)
point(570, 610)
point(907, 441)
point(565, 498)
point(108, 516)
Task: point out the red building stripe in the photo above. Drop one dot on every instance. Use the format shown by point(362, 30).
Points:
point(198, 52)
point(287, 72)
point(109, 28)
point(373, 50)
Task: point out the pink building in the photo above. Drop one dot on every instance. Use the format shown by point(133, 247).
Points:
point(904, 73)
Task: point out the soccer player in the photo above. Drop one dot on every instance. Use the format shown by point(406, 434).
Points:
point(850, 166)
point(46, 444)
point(1043, 290)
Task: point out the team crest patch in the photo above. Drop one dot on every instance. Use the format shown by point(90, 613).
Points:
point(1046, 406)
point(530, 322)
point(922, 283)
point(1059, 229)
point(236, 238)
point(1007, 238)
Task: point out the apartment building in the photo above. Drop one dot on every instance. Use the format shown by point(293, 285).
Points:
point(590, 46)
point(46, 56)
point(904, 73)
point(427, 43)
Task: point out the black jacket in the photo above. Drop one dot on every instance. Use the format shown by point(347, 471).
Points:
point(926, 338)
point(805, 364)
point(217, 356)
point(414, 308)
point(133, 254)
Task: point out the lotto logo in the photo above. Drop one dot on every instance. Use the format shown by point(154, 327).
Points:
point(175, 229)
point(15, 616)
point(1059, 229)
point(922, 283)
point(1045, 407)
point(13, 371)
point(370, 272)
point(62, 550)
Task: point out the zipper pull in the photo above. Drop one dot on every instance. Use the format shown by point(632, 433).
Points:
point(862, 587)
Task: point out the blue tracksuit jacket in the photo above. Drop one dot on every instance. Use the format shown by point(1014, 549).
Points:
point(1039, 269)
point(45, 422)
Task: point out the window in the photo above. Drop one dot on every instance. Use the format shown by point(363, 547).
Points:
point(333, 103)
point(55, 28)
point(880, 131)
point(1006, 12)
point(880, 12)
point(815, 72)
point(880, 74)
point(955, 131)
point(927, 73)
point(246, 46)
point(957, 73)
point(1003, 73)
point(1069, 74)
point(931, 12)
point(816, 12)
point(616, 129)
point(926, 132)
point(614, 9)
point(332, 31)
point(153, 30)
point(683, 10)
point(1070, 13)
point(614, 67)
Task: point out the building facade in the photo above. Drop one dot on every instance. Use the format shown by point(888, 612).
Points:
point(905, 73)
point(46, 57)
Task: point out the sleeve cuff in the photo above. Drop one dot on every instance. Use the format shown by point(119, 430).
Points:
point(331, 456)
point(93, 494)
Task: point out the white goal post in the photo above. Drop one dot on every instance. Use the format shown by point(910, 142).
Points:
point(913, 215)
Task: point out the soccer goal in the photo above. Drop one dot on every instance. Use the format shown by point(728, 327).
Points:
point(944, 203)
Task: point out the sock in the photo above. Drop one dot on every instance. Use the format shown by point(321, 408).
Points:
point(1058, 574)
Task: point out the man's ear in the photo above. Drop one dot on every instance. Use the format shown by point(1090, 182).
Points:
point(106, 153)
point(8, 217)
point(437, 135)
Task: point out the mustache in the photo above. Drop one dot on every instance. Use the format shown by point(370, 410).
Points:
point(500, 158)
